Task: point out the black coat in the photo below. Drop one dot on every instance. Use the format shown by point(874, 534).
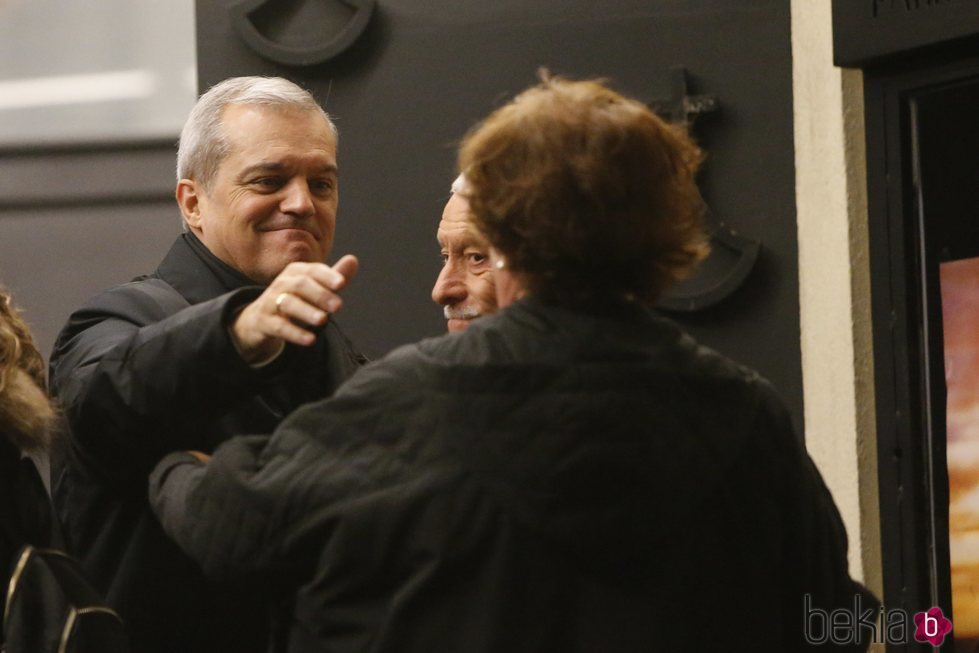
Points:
point(145, 369)
point(547, 481)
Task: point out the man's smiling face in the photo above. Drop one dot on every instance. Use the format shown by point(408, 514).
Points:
point(274, 197)
point(464, 287)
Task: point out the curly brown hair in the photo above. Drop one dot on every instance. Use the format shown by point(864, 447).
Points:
point(588, 194)
point(26, 413)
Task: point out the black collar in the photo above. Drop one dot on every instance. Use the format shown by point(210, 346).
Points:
point(198, 274)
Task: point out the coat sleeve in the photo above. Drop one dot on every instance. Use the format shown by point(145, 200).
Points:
point(221, 513)
point(134, 381)
point(264, 506)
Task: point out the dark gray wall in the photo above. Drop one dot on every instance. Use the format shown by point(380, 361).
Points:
point(76, 220)
point(426, 70)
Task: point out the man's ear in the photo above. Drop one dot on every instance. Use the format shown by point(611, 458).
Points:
point(189, 200)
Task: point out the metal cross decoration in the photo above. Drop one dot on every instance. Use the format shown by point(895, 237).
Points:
point(732, 256)
point(682, 107)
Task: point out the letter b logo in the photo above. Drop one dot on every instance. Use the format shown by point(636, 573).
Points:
point(931, 626)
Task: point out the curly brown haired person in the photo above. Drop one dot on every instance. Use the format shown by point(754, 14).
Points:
point(26, 421)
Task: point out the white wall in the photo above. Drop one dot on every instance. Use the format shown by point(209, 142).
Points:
point(834, 281)
point(95, 71)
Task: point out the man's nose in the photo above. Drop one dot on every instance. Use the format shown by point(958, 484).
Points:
point(450, 287)
point(298, 199)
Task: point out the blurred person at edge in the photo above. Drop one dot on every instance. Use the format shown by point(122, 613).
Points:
point(234, 330)
point(464, 288)
point(570, 474)
point(27, 419)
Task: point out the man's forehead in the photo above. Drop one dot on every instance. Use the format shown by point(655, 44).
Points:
point(244, 123)
point(456, 228)
point(459, 233)
point(259, 112)
point(276, 165)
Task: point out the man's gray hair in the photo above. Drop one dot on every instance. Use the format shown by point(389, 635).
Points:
point(203, 142)
point(459, 185)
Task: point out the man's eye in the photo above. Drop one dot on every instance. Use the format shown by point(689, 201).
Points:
point(268, 182)
point(321, 185)
point(443, 258)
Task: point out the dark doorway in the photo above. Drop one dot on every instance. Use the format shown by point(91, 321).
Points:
point(923, 172)
point(946, 143)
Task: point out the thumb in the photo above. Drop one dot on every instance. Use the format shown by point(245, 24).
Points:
point(347, 266)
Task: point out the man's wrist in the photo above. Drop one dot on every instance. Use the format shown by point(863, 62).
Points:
point(254, 359)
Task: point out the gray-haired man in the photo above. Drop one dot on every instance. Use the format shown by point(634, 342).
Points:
point(464, 288)
point(231, 333)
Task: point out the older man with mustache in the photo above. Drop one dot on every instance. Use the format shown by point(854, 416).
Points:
point(464, 287)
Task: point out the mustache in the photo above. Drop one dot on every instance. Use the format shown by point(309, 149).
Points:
point(456, 312)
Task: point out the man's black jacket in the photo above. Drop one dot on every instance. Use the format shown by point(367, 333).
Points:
point(145, 369)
